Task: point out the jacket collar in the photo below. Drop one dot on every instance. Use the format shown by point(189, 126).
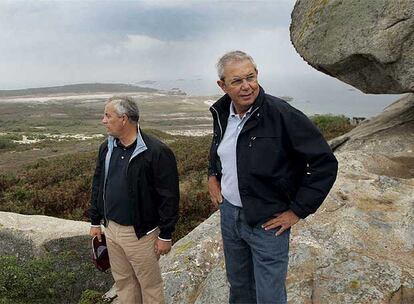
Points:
point(223, 104)
point(139, 148)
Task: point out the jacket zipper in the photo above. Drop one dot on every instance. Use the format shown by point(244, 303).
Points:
point(251, 141)
point(219, 123)
point(253, 137)
point(129, 162)
point(251, 115)
point(104, 187)
point(104, 201)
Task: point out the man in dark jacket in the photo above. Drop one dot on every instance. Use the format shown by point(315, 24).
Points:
point(135, 195)
point(269, 166)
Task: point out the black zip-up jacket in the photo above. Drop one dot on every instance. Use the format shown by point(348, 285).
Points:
point(153, 188)
point(283, 161)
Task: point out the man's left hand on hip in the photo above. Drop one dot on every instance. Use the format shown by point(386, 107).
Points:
point(284, 220)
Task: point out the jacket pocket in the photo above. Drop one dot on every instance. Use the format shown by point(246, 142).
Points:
point(265, 155)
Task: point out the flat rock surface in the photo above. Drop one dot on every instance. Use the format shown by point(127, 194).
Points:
point(33, 232)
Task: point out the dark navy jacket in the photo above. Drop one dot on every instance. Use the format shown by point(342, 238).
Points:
point(283, 161)
point(153, 187)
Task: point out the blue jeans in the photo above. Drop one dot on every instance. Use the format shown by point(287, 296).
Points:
point(256, 259)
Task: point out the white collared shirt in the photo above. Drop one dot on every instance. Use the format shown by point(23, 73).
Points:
point(228, 156)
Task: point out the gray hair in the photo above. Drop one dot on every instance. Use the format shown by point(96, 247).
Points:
point(232, 57)
point(125, 105)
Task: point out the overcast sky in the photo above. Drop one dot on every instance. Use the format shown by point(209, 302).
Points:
point(53, 42)
point(47, 43)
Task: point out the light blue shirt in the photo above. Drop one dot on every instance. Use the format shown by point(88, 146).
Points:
point(228, 157)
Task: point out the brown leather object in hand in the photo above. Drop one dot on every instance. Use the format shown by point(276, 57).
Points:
point(100, 255)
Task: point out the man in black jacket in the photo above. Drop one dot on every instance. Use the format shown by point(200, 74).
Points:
point(135, 195)
point(269, 166)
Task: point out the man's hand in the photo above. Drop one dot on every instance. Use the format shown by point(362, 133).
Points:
point(284, 220)
point(162, 247)
point(214, 189)
point(96, 231)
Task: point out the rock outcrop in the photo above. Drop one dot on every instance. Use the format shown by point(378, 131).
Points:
point(29, 236)
point(368, 44)
point(359, 247)
point(389, 137)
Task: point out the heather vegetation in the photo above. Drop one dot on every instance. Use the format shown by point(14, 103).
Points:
point(6, 143)
point(60, 186)
point(52, 278)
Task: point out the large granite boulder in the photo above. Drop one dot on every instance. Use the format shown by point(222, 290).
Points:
point(368, 44)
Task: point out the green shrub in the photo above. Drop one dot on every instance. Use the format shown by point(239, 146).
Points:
point(36, 280)
point(191, 154)
point(58, 187)
point(11, 136)
point(20, 194)
point(52, 278)
point(6, 181)
point(92, 297)
point(6, 143)
point(195, 204)
point(332, 126)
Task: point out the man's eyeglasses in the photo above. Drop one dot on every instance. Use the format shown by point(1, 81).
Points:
point(236, 82)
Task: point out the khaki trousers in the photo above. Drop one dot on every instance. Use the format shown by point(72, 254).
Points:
point(134, 265)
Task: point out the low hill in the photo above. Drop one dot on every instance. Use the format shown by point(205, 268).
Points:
point(77, 89)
